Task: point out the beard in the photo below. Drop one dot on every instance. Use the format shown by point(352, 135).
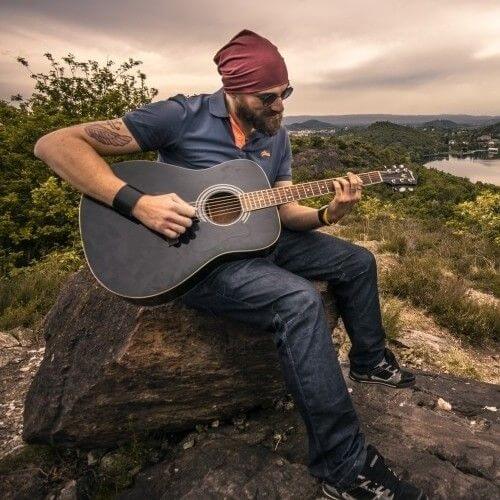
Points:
point(266, 121)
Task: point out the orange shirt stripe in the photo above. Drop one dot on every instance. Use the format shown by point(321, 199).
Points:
point(239, 136)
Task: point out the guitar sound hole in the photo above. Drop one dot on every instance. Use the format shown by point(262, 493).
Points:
point(223, 207)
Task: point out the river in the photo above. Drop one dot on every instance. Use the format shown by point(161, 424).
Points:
point(474, 168)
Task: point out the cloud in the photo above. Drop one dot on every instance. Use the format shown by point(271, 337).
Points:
point(390, 56)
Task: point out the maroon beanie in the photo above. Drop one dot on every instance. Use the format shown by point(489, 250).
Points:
point(250, 63)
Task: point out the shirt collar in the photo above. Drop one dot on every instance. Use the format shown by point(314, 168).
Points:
point(217, 105)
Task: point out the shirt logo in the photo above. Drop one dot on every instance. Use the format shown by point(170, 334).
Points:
point(264, 153)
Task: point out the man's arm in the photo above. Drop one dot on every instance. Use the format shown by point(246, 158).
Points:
point(301, 218)
point(75, 154)
point(295, 216)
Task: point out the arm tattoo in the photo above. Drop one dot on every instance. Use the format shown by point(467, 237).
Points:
point(114, 124)
point(105, 136)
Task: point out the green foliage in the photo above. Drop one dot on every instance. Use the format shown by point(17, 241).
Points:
point(416, 142)
point(48, 466)
point(38, 211)
point(54, 466)
point(437, 195)
point(117, 469)
point(391, 317)
point(87, 91)
point(482, 215)
point(28, 293)
point(422, 280)
point(446, 223)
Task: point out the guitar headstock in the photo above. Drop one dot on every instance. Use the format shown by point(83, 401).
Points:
point(399, 177)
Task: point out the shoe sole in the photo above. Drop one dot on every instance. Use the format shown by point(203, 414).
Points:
point(327, 494)
point(376, 382)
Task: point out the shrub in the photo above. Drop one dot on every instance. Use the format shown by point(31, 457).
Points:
point(391, 317)
point(422, 280)
point(28, 293)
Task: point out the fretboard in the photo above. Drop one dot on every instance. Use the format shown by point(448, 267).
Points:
point(254, 200)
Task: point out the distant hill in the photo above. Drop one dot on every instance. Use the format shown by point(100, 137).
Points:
point(442, 124)
point(415, 140)
point(493, 130)
point(368, 119)
point(310, 125)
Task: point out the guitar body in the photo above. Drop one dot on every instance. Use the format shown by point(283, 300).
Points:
point(148, 268)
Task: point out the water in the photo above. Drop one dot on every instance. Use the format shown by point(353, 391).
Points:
point(475, 169)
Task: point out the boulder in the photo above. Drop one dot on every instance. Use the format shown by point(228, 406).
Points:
point(113, 369)
point(450, 454)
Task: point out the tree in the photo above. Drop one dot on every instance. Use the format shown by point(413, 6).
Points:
point(38, 211)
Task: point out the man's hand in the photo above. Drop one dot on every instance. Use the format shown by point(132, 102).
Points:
point(347, 193)
point(167, 214)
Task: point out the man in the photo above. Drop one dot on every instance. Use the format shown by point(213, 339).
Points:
point(272, 292)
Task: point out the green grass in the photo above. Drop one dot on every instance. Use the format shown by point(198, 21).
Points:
point(28, 293)
point(421, 280)
point(435, 268)
point(471, 257)
point(391, 317)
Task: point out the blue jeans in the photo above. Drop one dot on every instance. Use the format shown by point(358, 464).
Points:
point(273, 292)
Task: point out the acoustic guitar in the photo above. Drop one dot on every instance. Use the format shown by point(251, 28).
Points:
point(236, 217)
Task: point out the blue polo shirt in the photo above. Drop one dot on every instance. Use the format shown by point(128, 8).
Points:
point(195, 132)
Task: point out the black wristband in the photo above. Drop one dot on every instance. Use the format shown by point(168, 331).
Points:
point(125, 199)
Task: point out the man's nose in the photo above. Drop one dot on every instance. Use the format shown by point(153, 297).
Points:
point(277, 105)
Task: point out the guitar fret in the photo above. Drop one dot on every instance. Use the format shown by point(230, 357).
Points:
point(254, 200)
point(263, 198)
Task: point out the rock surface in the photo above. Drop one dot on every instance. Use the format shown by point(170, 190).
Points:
point(113, 369)
point(106, 358)
point(19, 361)
point(450, 454)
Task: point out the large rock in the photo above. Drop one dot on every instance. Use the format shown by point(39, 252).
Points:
point(113, 369)
point(451, 453)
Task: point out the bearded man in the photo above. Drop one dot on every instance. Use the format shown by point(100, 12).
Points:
point(272, 292)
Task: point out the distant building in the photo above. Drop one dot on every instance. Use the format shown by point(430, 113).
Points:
point(484, 138)
point(306, 132)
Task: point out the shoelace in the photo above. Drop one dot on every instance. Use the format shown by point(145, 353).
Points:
point(389, 363)
point(378, 489)
point(391, 359)
point(389, 482)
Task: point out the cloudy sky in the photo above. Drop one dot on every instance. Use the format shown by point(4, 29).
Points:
point(362, 56)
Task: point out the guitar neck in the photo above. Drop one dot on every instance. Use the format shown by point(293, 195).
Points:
point(254, 200)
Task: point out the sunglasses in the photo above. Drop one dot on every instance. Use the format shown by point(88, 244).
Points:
point(269, 97)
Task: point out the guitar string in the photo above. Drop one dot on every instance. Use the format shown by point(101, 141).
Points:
point(254, 193)
point(221, 208)
point(254, 197)
point(366, 174)
point(237, 207)
point(233, 202)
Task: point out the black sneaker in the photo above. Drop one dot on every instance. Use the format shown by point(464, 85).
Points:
point(387, 372)
point(376, 481)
